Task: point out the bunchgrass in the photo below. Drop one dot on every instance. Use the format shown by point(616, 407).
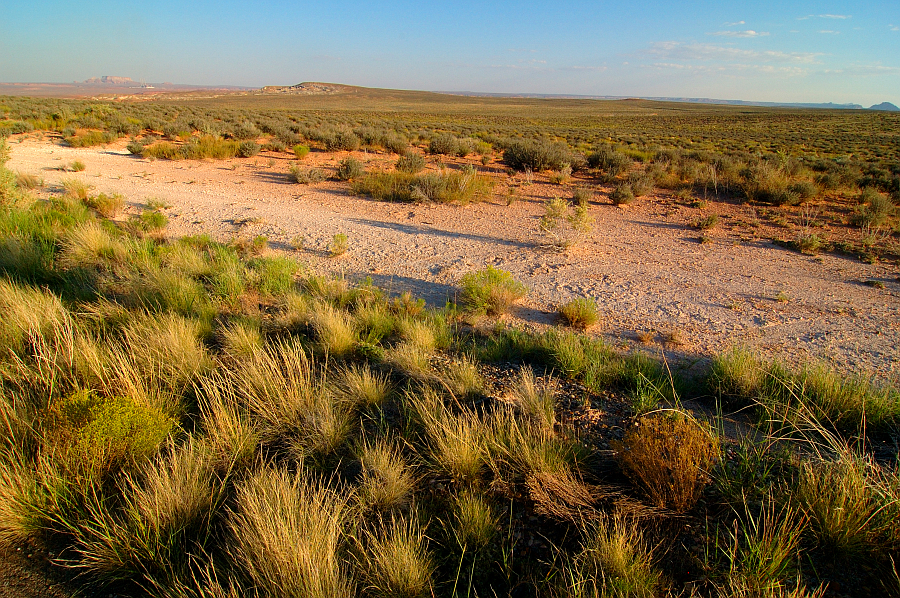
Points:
point(580, 313)
point(287, 533)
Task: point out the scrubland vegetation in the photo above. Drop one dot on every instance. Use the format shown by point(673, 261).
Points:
point(843, 166)
point(190, 418)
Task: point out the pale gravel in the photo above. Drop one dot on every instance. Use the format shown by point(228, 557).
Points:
point(643, 265)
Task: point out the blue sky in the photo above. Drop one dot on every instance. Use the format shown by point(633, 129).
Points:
point(765, 51)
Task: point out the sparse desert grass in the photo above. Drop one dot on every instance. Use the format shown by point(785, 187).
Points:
point(166, 428)
point(580, 313)
point(565, 225)
point(28, 181)
point(106, 205)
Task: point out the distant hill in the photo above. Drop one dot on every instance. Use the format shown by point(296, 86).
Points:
point(886, 107)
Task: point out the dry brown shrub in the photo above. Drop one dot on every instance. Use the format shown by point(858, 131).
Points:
point(669, 458)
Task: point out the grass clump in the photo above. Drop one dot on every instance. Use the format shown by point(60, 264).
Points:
point(410, 163)
point(490, 290)
point(76, 189)
point(350, 168)
point(105, 205)
point(580, 313)
point(614, 560)
point(397, 561)
point(362, 386)
point(845, 404)
point(622, 195)
point(288, 532)
point(307, 176)
point(28, 182)
point(339, 245)
point(456, 186)
point(669, 458)
point(387, 480)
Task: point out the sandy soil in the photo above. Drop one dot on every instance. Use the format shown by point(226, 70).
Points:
point(643, 264)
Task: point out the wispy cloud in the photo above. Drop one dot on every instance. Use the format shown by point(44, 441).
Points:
point(748, 33)
point(841, 17)
point(864, 70)
point(735, 24)
point(730, 69)
point(598, 69)
point(893, 28)
point(709, 52)
point(829, 32)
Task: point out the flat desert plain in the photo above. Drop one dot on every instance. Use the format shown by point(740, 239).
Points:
point(656, 284)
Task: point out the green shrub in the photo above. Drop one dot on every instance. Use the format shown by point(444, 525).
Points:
point(445, 144)
point(875, 212)
point(669, 457)
point(411, 163)
point(536, 155)
point(77, 166)
point(350, 168)
point(301, 151)
point(622, 195)
point(342, 140)
point(641, 182)
point(248, 149)
point(490, 290)
point(90, 139)
point(103, 433)
point(707, 222)
point(610, 161)
point(135, 147)
point(804, 190)
point(307, 176)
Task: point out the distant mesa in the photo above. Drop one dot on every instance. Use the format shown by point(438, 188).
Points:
point(885, 107)
point(108, 80)
point(306, 88)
